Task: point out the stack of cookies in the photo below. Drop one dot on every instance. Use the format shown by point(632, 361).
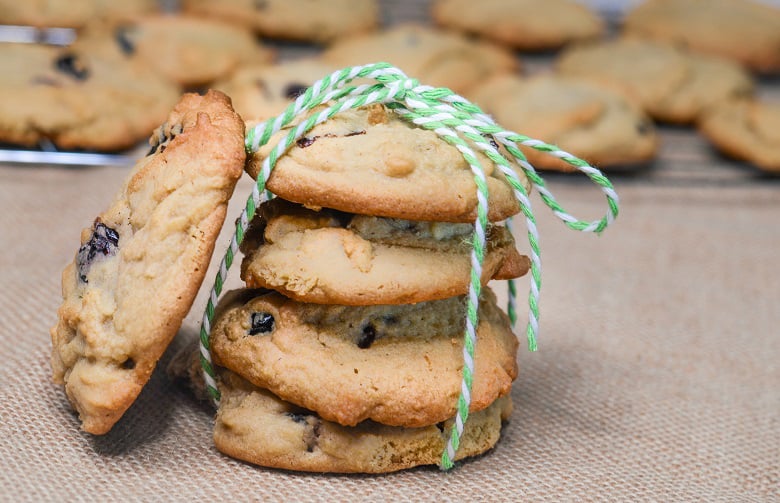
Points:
point(344, 352)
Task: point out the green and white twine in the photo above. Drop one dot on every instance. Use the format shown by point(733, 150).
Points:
point(459, 123)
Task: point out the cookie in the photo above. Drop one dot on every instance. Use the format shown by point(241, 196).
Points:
point(142, 261)
point(70, 13)
point(521, 24)
point(78, 100)
point(189, 51)
point(256, 426)
point(397, 365)
point(671, 84)
point(372, 162)
point(260, 92)
point(587, 120)
point(746, 129)
point(434, 57)
point(742, 30)
point(306, 20)
point(331, 257)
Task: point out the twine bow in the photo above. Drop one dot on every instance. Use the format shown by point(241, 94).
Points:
point(456, 121)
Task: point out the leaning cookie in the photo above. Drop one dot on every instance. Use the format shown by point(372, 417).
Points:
point(521, 24)
point(306, 20)
point(256, 426)
point(434, 56)
point(747, 130)
point(331, 257)
point(187, 50)
point(372, 162)
point(589, 121)
point(742, 30)
point(399, 365)
point(142, 261)
point(78, 100)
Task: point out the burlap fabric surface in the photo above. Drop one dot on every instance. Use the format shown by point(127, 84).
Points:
point(657, 377)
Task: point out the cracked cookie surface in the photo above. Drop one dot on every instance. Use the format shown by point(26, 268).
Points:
point(142, 261)
point(398, 365)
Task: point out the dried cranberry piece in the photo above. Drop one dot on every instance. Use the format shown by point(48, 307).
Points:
point(104, 242)
point(262, 323)
point(367, 337)
point(294, 90)
point(68, 63)
point(122, 37)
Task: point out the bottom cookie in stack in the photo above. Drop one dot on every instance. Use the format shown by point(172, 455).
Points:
point(305, 388)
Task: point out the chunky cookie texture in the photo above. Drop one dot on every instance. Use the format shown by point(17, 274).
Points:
point(257, 426)
point(372, 162)
point(141, 263)
point(332, 257)
point(397, 365)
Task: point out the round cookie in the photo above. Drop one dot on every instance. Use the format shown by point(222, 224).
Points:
point(672, 85)
point(142, 261)
point(260, 92)
point(77, 99)
point(521, 24)
point(256, 426)
point(747, 130)
point(307, 20)
point(372, 162)
point(650, 72)
point(398, 365)
point(187, 50)
point(587, 120)
point(742, 30)
point(330, 257)
point(434, 57)
point(70, 13)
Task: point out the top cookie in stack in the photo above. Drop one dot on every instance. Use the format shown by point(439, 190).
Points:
point(354, 362)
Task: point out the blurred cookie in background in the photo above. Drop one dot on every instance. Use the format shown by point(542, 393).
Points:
point(671, 85)
point(433, 56)
point(78, 100)
point(262, 91)
point(530, 25)
point(742, 30)
point(585, 119)
point(70, 13)
point(187, 50)
point(748, 130)
point(305, 20)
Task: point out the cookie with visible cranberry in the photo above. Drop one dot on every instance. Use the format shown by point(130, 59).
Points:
point(78, 100)
point(332, 257)
point(142, 260)
point(372, 162)
point(71, 13)
point(398, 365)
point(256, 426)
point(189, 51)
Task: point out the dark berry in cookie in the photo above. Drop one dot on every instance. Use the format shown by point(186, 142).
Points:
point(294, 90)
point(104, 242)
point(262, 323)
point(367, 337)
point(122, 37)
point(69, 64)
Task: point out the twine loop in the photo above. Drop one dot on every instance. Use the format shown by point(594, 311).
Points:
point(461, 124)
